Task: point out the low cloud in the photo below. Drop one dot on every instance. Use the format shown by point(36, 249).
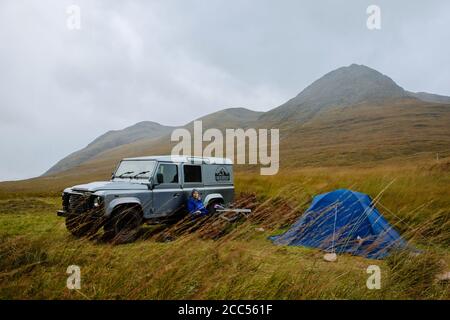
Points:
point(174, 61)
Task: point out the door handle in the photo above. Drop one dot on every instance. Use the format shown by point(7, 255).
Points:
point(176, 195)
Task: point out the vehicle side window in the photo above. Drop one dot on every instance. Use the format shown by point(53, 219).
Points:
point(169, 173)
point(192, 173)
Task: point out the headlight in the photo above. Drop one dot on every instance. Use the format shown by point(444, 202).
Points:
point(97, 201)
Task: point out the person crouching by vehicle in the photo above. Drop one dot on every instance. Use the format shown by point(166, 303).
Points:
point(195, 205)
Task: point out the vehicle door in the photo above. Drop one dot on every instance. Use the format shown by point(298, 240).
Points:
point(167, 193)
point(192, 179)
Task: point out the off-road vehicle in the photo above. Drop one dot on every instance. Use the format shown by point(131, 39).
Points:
point(146, 189)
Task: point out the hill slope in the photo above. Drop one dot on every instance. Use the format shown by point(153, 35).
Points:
point(229, 118)
point(429, 97)
point(147, 132)
point(109, 140)
point(369, 133)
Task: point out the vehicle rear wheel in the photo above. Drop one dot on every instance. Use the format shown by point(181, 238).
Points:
point(124, 225)
point(81, 225)
point(211, 207)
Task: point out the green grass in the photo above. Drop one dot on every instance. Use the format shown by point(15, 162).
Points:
point(35, 248)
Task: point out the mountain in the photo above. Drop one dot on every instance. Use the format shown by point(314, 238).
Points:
point(351, 116)
point(229, 118)
point(110, 140)
point(342, 87)
point(429, 97)
point(135, 138)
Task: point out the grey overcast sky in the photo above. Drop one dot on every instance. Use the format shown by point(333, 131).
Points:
point(171, 61)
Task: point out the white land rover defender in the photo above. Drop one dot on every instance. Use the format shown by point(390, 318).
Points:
point(146, 189)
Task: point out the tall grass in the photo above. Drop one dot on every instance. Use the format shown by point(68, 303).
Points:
point(220, 261)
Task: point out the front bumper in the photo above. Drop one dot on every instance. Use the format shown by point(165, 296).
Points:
point(94, 213)
point(80, 203)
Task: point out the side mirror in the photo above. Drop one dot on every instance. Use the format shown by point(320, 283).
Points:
point(112, 175)
point(159, 178)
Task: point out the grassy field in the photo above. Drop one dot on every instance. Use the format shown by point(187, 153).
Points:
point(36, 249)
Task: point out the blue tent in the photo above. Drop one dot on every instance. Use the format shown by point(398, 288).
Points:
point(343, 221)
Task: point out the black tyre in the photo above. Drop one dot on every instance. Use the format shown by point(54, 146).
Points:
point(211, 207)
point(123, 227)
point(82, 225)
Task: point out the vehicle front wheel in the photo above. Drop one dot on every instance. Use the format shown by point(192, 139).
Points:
point(81, 225)
point(124, 224)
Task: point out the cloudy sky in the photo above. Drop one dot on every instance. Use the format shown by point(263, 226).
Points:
point(171, 61)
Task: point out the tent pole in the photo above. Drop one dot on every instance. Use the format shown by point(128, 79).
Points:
point(334, 228)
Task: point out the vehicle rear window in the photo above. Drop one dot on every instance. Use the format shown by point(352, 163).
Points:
point(192, 173)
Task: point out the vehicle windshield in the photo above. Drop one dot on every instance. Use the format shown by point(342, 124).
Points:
point(135, 169)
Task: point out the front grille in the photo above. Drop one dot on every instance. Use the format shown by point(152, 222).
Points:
point(79, 203)
point(65, 201)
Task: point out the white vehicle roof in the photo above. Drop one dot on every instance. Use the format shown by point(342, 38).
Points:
point(185, 159)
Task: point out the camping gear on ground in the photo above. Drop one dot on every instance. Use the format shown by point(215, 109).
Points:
point(343, 221)
point(243, 211)
point(235, 213)
point(231, 215)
